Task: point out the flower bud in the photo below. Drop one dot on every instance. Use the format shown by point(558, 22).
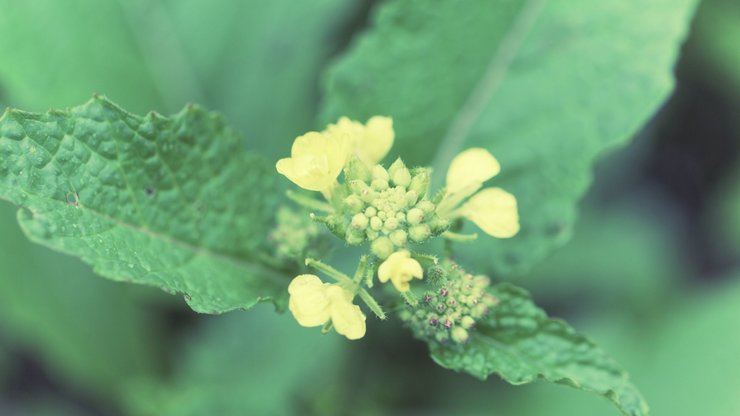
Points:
point(371, 212)
point(467, 322)
point(390, 224)
point(356, 170)
point(426, 206)
point(376, 223)
point(415, 216)
point(459, 335)
point(420, 181)
point(379, 172)
point(353, 204)
point(399, 173)
point(399, 238)
point(438, 225)
point(419, 233)
point(379, 184)
point(361, 189)
point(382, 247)
point(411, 198)
point(359, 222)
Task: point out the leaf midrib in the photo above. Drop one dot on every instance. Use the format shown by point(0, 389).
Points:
point(460, 126)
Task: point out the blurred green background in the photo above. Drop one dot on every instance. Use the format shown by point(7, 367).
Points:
point(652, 272)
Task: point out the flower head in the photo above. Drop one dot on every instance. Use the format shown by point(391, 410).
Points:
point(493, 210)
point(400, 269)
point(314, 303)
point(369, 142)
point(316, 160)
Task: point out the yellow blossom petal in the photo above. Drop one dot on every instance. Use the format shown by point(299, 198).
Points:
point(370, 142)
point(400, 269)
point(470, 167)
point(309, 302)
point(494, 211)
point(316, 161)
point(346, 317)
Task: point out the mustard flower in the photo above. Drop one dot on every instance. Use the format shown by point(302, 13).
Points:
point(493, 210)
point(400, 269)
point(369, 142)
point(314, 303)
point(315, 162)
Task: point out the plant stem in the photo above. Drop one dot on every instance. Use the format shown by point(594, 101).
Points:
point(372, 304)
point(331, 272)
point(308, 202)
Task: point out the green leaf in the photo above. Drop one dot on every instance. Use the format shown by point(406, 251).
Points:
point(90, 332)
point(545, 86)
point(169, 202)
point(520, 343)
point(258, 363)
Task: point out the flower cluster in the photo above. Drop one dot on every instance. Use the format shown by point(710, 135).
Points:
point(452, 308)
point(390, 210)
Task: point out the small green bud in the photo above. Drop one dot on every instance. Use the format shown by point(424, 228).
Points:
point(356, 170)
point(415, 216)
point(426, 206)
point(401, 217)
point(379, 172)
point(399, 238)
point(420, 181)
point(382, 247)
point(361, 189)
point(438, 225)
point(371, 234)
point(411, 198)
point(419, 233)
point(371, 212)
point(390, 224)
point(354, 237)
point(359, 222)
point(379, 184)
point(441, 336)
point(376, 223)
point(467, 322)
point(459, 335)
point(399, 173)
point(382, 215)
point(353, 204)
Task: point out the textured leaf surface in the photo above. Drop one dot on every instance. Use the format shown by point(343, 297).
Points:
point(520, 343)
point(169, 202)
point(545, 85)
point(257, 363)
point(90, 332)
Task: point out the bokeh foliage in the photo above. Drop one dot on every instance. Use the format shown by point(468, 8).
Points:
point(625, 277)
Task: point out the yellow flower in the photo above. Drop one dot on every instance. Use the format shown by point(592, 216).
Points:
point(315, 162)
point(400, 269)
point(314, 303)
point(493, 210)
point(370, 142)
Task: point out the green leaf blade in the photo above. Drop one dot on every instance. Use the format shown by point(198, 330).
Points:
point(546, 86)
point(521, 344)
point(170, 202)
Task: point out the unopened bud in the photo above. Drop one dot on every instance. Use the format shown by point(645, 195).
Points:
point(379, 184)
point(399, 238)
point(356, 170)
point(353, 204)
point(459, 335)
point(390, 224)
point(419, 233)
point(467, 322)
point(411, 198)
point(382, 247)
point(379, 172)
point(420, 181)
point(426, 206)
point(354, 237)
point(371, 212)
point(399, 173)
point(376, 223)
point(415, 216)
point(359, 222)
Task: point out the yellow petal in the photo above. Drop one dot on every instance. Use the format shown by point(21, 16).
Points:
point(309, 302)
point(472, 166)
point(316, 161)
point(494, 211)
point(378, 140)
point(400, 269)
point(346, 317)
